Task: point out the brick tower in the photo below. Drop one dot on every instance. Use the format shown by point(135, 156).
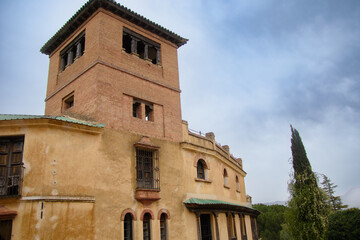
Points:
point(111, 65)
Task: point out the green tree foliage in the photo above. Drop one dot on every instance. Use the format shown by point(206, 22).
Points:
point(344, 225)
point(284, 233)
point(270, 221)
point(308, 213)
point(334, 201)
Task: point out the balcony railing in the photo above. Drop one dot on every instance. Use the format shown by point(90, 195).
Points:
point(149, 183)
point(10, 181)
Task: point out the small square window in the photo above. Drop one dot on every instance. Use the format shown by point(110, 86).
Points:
point(68, 102)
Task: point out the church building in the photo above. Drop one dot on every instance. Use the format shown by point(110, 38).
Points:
point(112, 158)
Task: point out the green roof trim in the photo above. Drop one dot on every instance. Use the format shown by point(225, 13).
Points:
point(110, 5)
point(210, 201)
point(211, 204)
point(5, 117)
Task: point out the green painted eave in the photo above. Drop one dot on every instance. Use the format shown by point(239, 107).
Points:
point(5, 117)
point(218, 205)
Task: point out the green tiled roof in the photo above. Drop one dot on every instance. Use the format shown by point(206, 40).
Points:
point(90, 7)
point(197, 203)
point(4, 117)
point(210, 201)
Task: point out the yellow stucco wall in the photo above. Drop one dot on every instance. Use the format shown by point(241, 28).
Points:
point(78, 180)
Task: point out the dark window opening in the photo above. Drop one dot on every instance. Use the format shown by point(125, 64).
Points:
point(147, 171)
point(141, 50)
point(152, 54)
point(72, 51)
point(11, 166)
point(127, 43)
point(128, 228)
point(205, 223)
point(137, 109)
point(143, 110)
point(5, 229)
point(141, 46)
point(200, 170)
point(163, 227)
point(68, 102)
point(146, 227)
point(149, 112)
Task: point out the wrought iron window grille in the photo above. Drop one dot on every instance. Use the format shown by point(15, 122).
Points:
point(147, 169)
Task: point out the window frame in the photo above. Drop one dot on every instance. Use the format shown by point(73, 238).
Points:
point(147, 226)
point(200, 169)
point(226, 178)
point(68, 102)
point(163, 226)
point(143, 110)
point(11, 172)
point(72, 48)
point(237, 183)
point(147, 168)
point(128, 226)
point(132, 44)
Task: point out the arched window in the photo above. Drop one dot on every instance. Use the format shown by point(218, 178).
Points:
point(146, 226)
point(163, 226)
point(128, 235)
point(225, 178)
point(200, 169)
point(237, 184)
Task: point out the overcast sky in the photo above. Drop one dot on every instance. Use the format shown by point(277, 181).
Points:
point(250, 69)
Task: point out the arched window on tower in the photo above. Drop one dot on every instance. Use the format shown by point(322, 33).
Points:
point(237, 184)
point(128, 228)
point(226, 184)
point(200, 169)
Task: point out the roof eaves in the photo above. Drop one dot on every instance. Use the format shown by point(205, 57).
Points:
point(197, 203)
point(90, 7)
point(4, 117)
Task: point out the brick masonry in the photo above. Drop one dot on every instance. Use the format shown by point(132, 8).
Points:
point(106, 79)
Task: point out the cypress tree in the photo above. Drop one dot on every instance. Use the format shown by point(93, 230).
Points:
point(308, 213)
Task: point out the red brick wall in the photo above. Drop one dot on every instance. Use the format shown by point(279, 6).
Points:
point(105, 80)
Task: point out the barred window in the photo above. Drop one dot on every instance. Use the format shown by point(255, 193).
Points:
point(147, 227)
point(200, 169)
point(147, 170)
point(11, 165)
point(128, 228)
point(163, 226)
